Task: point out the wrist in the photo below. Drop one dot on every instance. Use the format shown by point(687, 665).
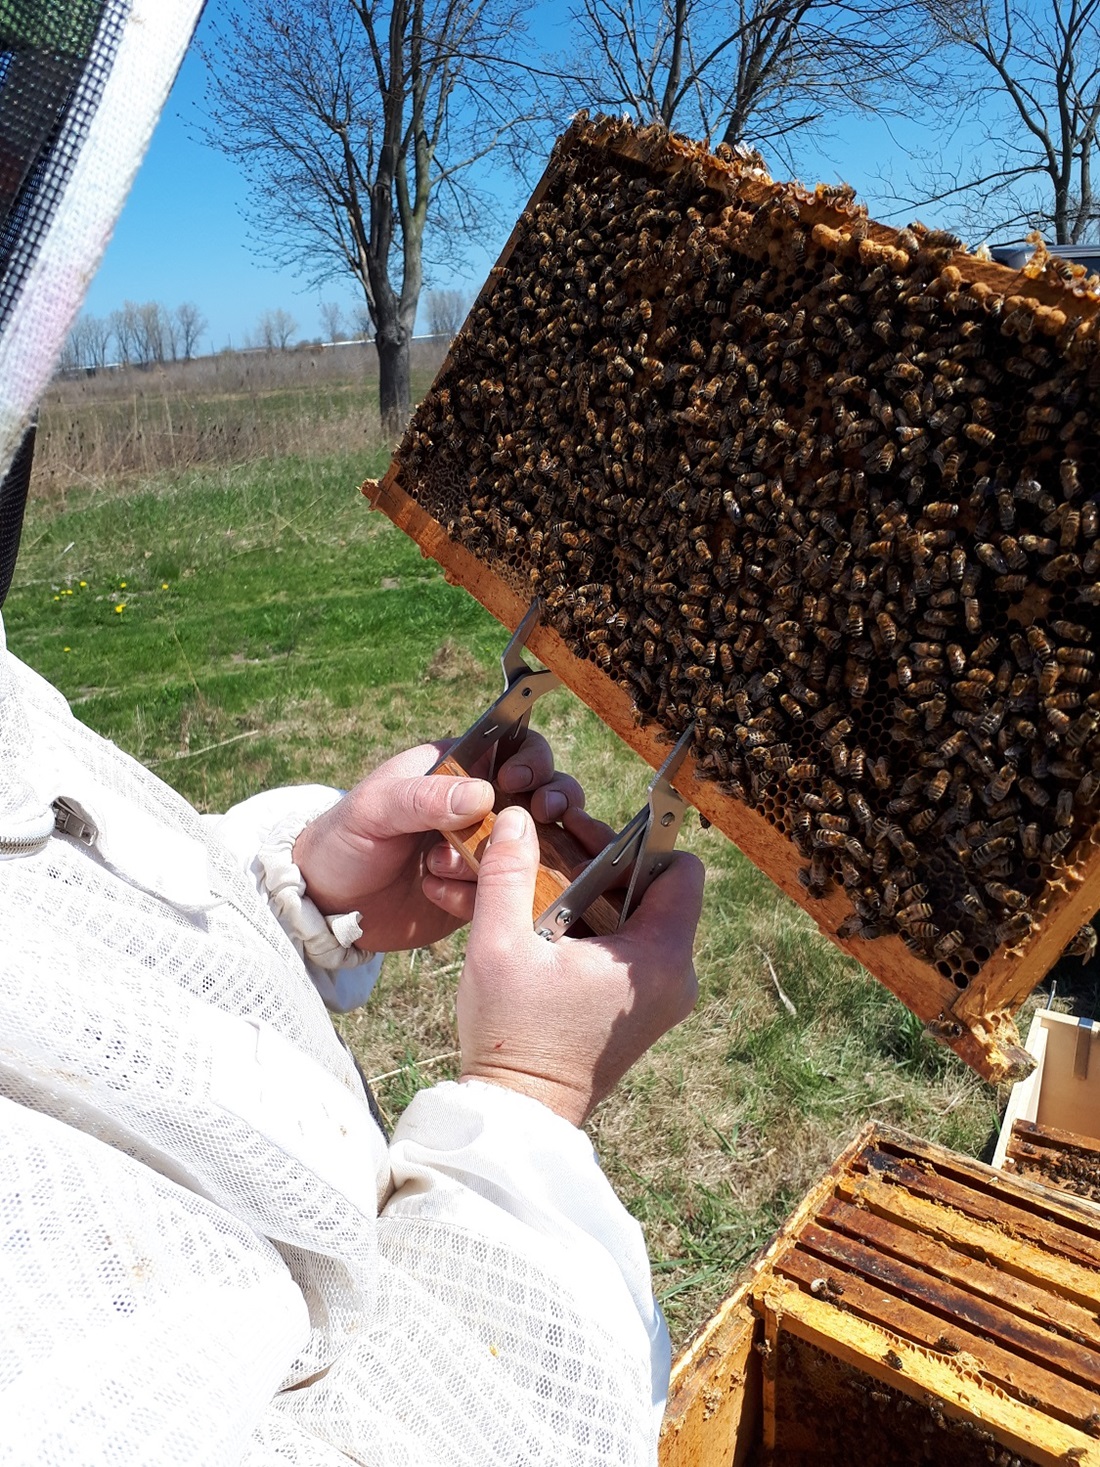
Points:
point(571, 1104)
point(327, 938)
point(307, 854)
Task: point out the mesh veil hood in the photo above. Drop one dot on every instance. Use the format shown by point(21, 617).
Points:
point(81, 85)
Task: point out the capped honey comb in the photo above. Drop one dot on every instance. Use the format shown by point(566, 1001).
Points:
point(826, 490)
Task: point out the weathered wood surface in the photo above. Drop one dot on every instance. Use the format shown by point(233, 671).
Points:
point(1055, 1158)
point(714, 1397)
point(976, 1022)
point(961, 1389)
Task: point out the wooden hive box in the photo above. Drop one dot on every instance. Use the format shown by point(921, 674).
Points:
point(917, 1308)
point(825, 489)
point(1051, 1127)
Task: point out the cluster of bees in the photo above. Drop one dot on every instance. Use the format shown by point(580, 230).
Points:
point(823, 489)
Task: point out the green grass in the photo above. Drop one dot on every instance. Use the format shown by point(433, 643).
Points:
point(269, 602)
point(274, 629)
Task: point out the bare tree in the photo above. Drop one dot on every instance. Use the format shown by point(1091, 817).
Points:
point(361, 322)
point(97, 341)
point(170, 334)
point(446, 311)
point(126, 329)
point(70, 359)
point(275, 328)
point(357, 122)
point(190, 324)
point(332, 320)
point(86, 345)
point(152, 343)
point(1020, 81)
point(743, 70)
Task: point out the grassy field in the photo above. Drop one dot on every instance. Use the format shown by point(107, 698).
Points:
point(238, 627)
point(231, 408)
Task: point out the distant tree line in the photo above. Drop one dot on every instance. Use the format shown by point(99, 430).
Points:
point(136, 335)
point(150, 334)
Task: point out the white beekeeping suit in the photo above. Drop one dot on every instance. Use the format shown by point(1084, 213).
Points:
point(208, 1252)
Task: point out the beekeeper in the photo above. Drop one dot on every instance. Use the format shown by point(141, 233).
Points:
point(209, 1253)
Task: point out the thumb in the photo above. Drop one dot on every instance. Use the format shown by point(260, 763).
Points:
point(428, 802)
point(506, 881)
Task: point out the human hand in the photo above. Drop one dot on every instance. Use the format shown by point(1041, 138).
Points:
point(377, 851)
point(564, 1021)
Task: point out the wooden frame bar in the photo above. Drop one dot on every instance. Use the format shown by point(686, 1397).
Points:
point(911, 1271)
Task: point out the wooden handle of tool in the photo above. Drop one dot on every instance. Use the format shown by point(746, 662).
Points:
point(559, 857)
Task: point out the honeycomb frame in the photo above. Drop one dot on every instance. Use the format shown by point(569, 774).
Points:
point(822, 487)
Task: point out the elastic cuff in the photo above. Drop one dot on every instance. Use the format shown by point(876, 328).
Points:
point(326, 941)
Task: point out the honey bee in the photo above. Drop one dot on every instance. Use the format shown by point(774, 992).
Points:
point(1070, 630)
point(1059, 567)
point(1040, 643)
point(1082, 728)
point(987, 851)
point(824, 839)
point(936, 787)
point(991, 558)
point(1032, 790)
point(1001, 783)
point(836, 733)
point(1082, 944)
point(1014, 929)
point(949, 943)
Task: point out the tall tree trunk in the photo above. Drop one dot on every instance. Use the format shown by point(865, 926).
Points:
point(1061, 213)
point(394, 389)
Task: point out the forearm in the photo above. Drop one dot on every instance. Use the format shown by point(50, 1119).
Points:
point(491, 1162)
point(142, 1323)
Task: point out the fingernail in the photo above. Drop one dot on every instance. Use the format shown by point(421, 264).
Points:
point(516, 777)
point(468, 798)
point(556, 805)
point(510, 824)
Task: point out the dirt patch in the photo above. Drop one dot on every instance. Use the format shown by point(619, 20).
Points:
point(450, 663)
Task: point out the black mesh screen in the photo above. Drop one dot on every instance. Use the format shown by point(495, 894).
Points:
point(13, 499)
point(55, 56)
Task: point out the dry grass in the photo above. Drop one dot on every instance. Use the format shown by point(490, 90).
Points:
point(236, 407)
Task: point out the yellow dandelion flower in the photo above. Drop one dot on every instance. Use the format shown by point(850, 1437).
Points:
point(84, 585)
point(164, 585)
point(66, 649)
point(120, 607)
point(57, 598)
point(122, 585)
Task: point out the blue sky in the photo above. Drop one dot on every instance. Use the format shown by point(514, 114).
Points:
point(183, 236)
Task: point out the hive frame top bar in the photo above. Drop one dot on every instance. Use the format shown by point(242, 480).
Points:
point(976, 1022)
